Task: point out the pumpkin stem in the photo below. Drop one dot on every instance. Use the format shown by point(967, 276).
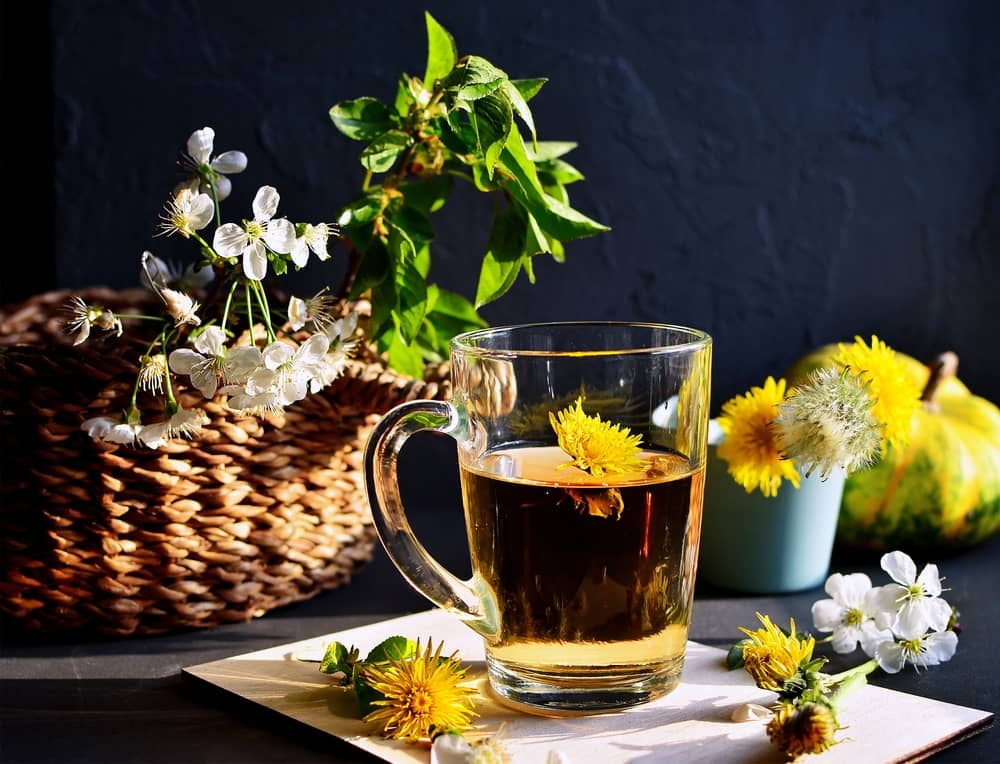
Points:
point(942, 367)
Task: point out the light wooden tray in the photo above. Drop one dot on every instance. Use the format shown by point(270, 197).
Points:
point(692, 724)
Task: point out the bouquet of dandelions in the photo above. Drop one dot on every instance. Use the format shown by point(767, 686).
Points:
point(220, 327)
point(840, 418)
point(903, 622)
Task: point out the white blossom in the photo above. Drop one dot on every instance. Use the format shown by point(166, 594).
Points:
point(211, 361)
point(912, 605)
point(83, 317)
point(160, 272)
point(199, 150)
point(111, 430)
point(182, 423)
point(850, 613)
point(314, 238)
point(248, 241)
point(186, 213)
point(917, 648)
point(294, 368)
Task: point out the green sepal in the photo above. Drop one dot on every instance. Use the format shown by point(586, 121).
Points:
point(734, 658)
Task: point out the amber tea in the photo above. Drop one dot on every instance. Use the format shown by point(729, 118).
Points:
point(592, 578)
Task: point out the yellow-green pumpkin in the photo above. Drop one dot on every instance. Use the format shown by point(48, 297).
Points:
point(942, 491)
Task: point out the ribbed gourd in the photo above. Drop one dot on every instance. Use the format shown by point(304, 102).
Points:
point(942, 490)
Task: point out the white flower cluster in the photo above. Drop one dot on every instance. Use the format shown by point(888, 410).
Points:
point(906, 621)
point(255, 378)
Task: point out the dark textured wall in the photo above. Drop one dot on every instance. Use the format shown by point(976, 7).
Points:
point(781, 174)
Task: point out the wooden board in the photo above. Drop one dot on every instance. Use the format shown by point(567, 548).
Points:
point(692, 723)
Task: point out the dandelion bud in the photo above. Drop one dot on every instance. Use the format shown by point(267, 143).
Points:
point(799, 730)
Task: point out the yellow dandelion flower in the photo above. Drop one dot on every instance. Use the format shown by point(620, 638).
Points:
point(419, 693)
point(772, 657)
point(596, 446)
point(799, 730)
point(751, 447)
point(896, 393)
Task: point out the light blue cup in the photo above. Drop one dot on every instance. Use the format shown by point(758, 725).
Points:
point(750, 543)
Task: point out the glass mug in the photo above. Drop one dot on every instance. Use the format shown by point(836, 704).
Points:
point(583, 560)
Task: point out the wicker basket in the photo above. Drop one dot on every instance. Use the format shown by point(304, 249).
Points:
point(251, 515)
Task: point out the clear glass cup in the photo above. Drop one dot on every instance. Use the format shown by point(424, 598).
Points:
point(583, 557)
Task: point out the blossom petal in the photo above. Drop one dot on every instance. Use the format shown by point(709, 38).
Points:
point(204, 378)
point(885, 601)
point(938, 613)
point(313, 349)
point(853, 588)
point(900, 567)
point(845, 640)
point(223, 187)
point(277, 354)
point(230, 162)
point(939, 647)
point(153, 435)
point(123, 434)
point(240, 363)
point(297, 311)
point(299, 252)
point(265, 204)
point(872, 636)
point(211, 341)
point(255, 260)
point(930, 580)
point(199, 145)
point(230, 240)
point(183, 360)
point(890, 656)
point(98, 426)
point(201, 211)
point(827, 615)
point(316, 236)
point(280, 236)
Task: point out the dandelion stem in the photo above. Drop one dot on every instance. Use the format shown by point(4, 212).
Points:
point(848, 678)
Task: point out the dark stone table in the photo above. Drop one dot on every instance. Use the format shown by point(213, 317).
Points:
point(125, 700)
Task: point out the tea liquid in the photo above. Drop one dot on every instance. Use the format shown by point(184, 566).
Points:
point(591, 576)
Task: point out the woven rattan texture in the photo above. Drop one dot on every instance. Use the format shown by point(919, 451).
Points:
point(115, 540)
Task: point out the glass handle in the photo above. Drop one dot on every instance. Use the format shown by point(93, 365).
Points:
point(462, 598)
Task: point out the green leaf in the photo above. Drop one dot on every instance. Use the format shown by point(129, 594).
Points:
point(427, 194)
point(528, 88)
point(404, 96)
point(473, 79)
point(384, 150)
point(557, 190)
point(441, 53)
point(422, 262)
point(365, 693)
point(362, 210)
point(457, 136)
point(734, 658)
point(552, 171)
point(460, 311)
point(554, 217)
point(520, 106)
point(491, 119)
point(404, 358)
point(373, 270)
point(413, 221)
point(535, 241)
point(546, 150)
point(502, 261)
point(362, 118)
point(395, 647)
point(411, 289)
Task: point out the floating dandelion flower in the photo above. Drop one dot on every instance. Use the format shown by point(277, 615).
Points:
point(797, 730)
point(596, 446)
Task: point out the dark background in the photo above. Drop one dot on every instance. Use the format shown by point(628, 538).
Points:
point(780, 174)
